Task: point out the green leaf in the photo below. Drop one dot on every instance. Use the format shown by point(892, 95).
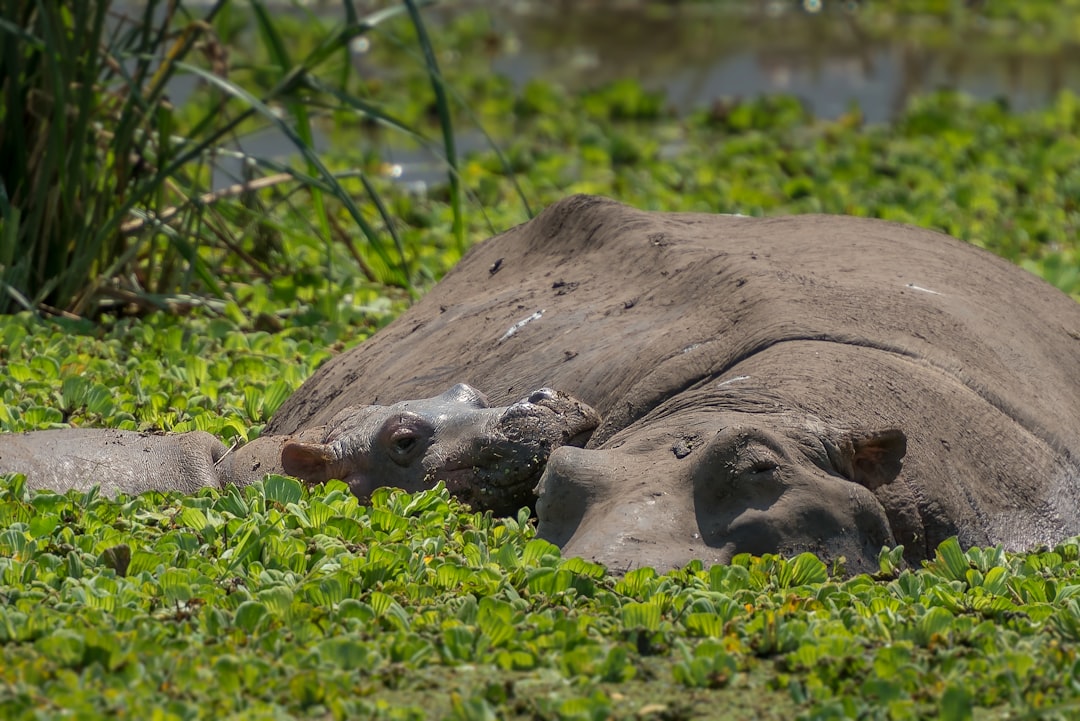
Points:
point(347, 653)
point(806, 568)
point(175, 585)
point(277, 600)
point(495, 618)
point(42, 417)
point(273, 396)
point(584, 568)
point(451, 575)
point(637, 583)
point(232, 502)
point(496, 630)
point(63, 646)
point(43, 525)
point(386, 521)
point(329, 593)
point(641, 616)
point(537, 551)
point(934, 625)
point(951, 561)
point(956, 704)
point(386, 607)
point(507, 558)
point(192, 518)
point(319, 513)
point(143, 561)
point(705, 624)
point(250, 614)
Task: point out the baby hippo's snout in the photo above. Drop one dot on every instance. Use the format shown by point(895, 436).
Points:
point(506, 462)
point(549, 418)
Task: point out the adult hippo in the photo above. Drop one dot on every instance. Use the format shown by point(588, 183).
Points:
point(489, 457)
point(830, 384)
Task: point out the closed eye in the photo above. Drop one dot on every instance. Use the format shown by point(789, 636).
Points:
point(405, 438)
point(405, 444)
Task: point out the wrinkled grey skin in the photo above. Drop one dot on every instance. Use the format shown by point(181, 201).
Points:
point(490, 457)
point(809, 383)
point(746, 484)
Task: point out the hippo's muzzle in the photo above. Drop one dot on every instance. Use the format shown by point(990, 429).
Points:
point(501, 467)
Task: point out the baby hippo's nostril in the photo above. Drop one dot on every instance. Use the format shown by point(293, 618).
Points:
point(544, 394)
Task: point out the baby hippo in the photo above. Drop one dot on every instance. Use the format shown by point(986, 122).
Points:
point(491, 458)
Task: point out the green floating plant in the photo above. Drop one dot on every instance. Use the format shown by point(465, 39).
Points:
point(342, 593)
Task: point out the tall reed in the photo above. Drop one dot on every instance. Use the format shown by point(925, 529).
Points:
point(105, 184)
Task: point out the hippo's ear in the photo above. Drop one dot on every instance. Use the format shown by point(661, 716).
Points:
point(310, 462)
point(869, 458)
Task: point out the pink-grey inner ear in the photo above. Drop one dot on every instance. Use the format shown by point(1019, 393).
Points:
point(876, 457)
point(311, 462)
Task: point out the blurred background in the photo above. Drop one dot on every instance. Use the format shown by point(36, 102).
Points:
point(280, 158)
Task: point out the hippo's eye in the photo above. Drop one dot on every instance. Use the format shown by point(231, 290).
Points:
point(402, 446)
point(764, 465)
point(404, 438)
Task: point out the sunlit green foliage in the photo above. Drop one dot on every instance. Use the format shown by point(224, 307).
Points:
point(163, 372)
point(309, 604)
point(280, 602)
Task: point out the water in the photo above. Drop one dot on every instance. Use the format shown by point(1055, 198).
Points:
point(828, 60)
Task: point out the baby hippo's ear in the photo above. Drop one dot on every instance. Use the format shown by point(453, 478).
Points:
point(310, 462)
point(869, 458)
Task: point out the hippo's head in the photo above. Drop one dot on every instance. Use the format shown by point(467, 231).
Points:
point(489, 457)
point(709, 484)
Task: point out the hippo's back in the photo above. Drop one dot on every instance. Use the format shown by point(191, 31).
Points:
point(623, 308)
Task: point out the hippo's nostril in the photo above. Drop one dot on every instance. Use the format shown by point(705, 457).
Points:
point(543, 394)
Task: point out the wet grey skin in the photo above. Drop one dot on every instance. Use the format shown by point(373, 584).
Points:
point(491, 458)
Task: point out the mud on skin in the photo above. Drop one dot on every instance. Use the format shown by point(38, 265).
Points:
point(890, 384)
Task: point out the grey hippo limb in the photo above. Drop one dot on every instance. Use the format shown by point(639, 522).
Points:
point(117, 461)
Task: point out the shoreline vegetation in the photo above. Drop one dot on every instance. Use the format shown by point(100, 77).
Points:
point(161, 275)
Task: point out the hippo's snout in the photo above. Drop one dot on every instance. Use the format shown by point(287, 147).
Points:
point(502, 465)
point(549, 419)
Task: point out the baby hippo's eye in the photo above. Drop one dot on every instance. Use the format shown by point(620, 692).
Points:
point(402, 445)
point(406, 437)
